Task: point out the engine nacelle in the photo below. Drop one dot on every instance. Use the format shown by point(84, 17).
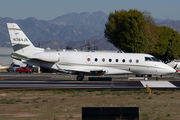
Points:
point(47, 56)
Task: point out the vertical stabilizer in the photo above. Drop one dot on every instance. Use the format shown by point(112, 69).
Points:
point(21, 44)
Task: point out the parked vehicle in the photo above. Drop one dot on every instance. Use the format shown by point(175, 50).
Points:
point(13, 68)
point(24, 69)
point(177, 71)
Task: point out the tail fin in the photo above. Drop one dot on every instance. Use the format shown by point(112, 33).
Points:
point(21, 44)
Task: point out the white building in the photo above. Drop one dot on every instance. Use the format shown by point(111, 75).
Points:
point(5, 56)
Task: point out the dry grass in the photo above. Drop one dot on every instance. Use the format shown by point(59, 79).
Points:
point(66, 105)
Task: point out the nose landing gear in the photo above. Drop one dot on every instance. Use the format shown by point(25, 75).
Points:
point(146, 77)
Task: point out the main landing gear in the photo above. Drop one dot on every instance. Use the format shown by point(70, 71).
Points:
point(80, 77)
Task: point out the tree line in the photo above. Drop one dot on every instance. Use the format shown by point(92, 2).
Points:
point(134, 31)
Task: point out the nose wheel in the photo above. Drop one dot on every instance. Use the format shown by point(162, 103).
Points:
point(146, 77)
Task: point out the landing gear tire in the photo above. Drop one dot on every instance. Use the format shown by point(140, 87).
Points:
point(146, 77)
point(79, 78)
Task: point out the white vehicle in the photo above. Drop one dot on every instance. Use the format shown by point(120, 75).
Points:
point(84, 63)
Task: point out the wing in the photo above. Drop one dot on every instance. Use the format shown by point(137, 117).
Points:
point(93, 71)
point(100, 71)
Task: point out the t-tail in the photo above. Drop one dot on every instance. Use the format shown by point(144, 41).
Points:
point(22, 46)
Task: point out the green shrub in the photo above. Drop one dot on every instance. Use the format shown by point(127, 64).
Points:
point(89, 90)
point(44, 100)
point(26, 102)
point(5, 101)
point(19, 100)
point(150, 98)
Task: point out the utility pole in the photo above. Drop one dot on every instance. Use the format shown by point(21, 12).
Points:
point(39, 44)
point(89, 46)
point(94, 45)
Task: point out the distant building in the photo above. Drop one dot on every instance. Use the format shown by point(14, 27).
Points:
point(5, 56)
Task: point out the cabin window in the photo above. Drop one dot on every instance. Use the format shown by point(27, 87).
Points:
point(96, 59)
point(123, 60)
point(137, 61)
point(103, 60)
point(117, 60)
point(88, 59)
point(148, 59)
point(130, 61)
point(110, 60)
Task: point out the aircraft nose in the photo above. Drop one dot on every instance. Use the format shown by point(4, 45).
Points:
point(166, 69)
point(170, 69)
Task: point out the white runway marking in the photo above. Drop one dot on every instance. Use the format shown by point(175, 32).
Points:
point(161, 84)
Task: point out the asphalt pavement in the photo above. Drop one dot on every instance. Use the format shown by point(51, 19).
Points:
point(55, 81)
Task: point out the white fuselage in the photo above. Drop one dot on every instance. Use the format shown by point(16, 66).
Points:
point(110, 63)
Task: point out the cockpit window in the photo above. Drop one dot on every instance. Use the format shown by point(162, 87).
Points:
point(148, 59)
point(151, 59)
point(155, 59)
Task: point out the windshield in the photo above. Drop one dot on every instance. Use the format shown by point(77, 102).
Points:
point(155, 59)
point(151, 59)
point(148, 59)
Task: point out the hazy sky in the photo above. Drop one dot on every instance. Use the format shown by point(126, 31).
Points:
point(50, 9)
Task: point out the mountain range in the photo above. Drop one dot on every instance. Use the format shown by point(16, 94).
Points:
point(72, 29)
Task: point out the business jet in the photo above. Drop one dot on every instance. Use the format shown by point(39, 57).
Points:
point(84, 63)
